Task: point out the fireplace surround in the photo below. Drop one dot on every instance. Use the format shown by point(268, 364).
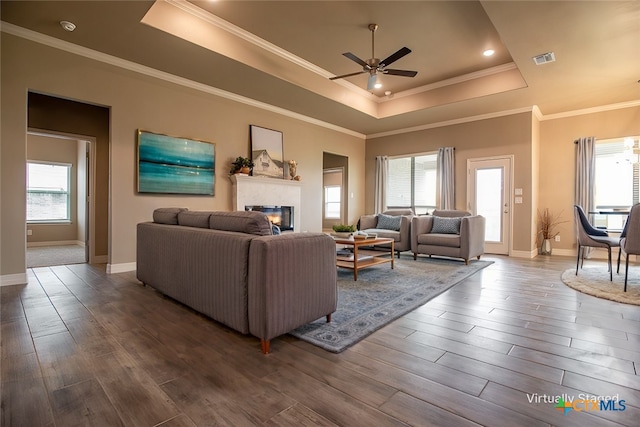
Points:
point(261, 191)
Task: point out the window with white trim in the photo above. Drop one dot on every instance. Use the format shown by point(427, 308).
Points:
point(332, 199)
point(48, 192)
point(411, 183)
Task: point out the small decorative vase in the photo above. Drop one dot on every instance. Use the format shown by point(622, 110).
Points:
point(545, 249)
point(245, 169)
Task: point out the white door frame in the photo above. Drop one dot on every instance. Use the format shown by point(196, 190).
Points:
point(506, 161)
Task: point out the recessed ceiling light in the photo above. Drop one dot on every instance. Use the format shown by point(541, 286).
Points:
point(68, 26)
point(488, 52)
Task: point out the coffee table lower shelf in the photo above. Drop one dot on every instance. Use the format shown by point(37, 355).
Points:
point(363, 258)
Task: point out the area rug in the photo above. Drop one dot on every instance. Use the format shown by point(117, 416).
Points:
point(381, 295)
point(595, 281)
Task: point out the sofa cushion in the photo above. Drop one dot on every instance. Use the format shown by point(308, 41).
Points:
point(250, 222)
point(167, 215)
point(387, 234)
point(199, 219)
point(389, 222)
point(450, 240)
point(443, 225)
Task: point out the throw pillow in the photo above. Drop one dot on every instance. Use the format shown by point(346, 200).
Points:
point(444, 225)
point(389, 222)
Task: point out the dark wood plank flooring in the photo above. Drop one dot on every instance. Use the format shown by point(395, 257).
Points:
point(80, 347)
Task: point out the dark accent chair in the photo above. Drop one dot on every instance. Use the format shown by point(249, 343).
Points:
point(589, 236)
point(630, 240)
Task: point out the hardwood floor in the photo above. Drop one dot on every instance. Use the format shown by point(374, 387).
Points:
point(80, 347)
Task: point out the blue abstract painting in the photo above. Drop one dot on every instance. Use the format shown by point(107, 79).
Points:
point(173, 165)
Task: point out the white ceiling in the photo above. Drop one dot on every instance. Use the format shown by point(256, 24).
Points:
point(283, 53)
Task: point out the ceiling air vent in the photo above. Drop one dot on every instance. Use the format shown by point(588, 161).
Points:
point(544, 58)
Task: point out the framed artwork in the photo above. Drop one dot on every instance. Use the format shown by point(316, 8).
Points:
point(266, 152)
point(171, 165)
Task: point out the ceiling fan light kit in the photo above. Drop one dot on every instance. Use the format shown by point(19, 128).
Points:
point(373, 65)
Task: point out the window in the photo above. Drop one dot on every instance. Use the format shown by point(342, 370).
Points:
point(332, 197)
point(412, 183)
point(48, 192)
point(616, 179)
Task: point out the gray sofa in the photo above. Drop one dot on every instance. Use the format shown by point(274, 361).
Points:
point(399, 230)
point(450, 233)
point(228, 266)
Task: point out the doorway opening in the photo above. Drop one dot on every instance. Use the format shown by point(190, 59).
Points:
point(60, 202)
point(334, 190)
point(65, 121)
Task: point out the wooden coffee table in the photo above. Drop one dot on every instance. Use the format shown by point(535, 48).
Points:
point(362, 258)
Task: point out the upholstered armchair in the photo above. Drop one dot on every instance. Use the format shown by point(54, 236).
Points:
point(589, 236)
point(450, 233)
point(394, 224)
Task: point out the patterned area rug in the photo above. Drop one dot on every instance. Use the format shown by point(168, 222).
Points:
point(381, 295)
point(595, 281)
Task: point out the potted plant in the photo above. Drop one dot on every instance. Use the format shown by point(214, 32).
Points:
point(241, 165)
point(343, 230)
point(547, 224)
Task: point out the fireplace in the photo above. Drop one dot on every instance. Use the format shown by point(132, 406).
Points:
point(282, 216)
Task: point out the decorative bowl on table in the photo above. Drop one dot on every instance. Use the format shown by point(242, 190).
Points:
point(343, 231)
point(342, 234)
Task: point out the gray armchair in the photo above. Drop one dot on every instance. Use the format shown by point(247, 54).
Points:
point(450, 233)
point(397, 228)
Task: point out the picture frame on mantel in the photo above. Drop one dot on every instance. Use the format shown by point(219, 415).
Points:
point(174, 165)
point(267, 152)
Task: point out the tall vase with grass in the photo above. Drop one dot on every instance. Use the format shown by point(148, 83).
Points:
point(547, 224)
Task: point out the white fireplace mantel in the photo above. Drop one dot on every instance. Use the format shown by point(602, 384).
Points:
point(254, 190)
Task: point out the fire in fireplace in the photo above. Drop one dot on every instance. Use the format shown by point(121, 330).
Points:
point(282, 216)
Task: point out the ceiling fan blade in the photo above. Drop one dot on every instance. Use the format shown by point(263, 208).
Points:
point(393, 58)
point(355, 59)
point(403, 73)
point(347, 75)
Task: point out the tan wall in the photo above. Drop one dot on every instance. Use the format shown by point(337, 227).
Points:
point(508, 135)
point(140, 102)
point(557, 160)
point(40, 148)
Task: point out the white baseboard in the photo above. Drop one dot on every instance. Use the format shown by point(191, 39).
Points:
point(56, 243)
point(13, 279)
point(524, 254)
point(121, 268)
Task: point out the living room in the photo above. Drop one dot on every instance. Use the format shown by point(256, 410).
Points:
point(141, 97)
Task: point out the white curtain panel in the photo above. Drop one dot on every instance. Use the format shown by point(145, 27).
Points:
point(585, 176)
point(382, 173)
point(446, 181)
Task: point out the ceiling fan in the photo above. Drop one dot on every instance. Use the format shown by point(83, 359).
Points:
point(373, 65)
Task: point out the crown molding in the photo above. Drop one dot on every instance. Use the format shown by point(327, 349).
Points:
point(592, 110)
point(453, 122)
point(27, 34)
point(53, 42)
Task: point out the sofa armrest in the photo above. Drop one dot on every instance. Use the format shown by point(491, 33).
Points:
point(368, 221)
point(405, 228)
point(472, 229)
point(292, 281)
point(419, 225)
